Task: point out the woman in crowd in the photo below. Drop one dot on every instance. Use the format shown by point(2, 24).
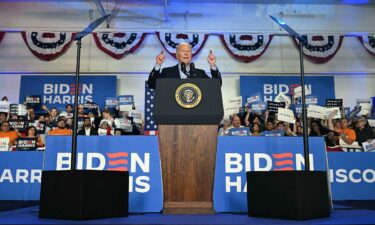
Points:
point(32, 133)
point(224, 130)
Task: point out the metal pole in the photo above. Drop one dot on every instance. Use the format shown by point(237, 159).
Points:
point(73, 160)
point(304, 112)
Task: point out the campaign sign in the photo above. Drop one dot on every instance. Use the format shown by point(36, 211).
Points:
point(34, 101)
point(236, 155)
point(4, 106)
point(91, 107)
point(274, 106)
point(137, 154)
point(125, 102)
point(258, 107)
point(322, 87)
point(369, 146)
point(352, 175)
point(27, 143)
point(254, 98)
point(40, 127)
point(58, 91)
point(330, 103)
point(17, 109)
point(241, 131)
point(311, 100)
point(20, 175)
point(19, 124)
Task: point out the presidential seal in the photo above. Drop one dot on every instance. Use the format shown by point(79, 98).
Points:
point(188, 95)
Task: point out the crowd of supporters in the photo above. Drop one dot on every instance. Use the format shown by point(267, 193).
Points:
point(51, 121)
point(345, 132)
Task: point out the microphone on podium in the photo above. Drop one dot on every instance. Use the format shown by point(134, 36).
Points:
point(192, 69)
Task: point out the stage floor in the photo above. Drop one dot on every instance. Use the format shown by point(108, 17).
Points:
point(342, 214)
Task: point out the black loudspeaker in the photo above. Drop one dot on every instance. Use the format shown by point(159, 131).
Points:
point(298, 195)
point(84, 194)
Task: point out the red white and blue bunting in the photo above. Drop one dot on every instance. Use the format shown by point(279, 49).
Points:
point(2, 34)
point(321, 48)
point(368, 42)
point(48, 45)
point(118, 44)
point(171, 40)
point(246, 47)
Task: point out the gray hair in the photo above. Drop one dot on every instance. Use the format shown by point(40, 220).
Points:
point(181, 44)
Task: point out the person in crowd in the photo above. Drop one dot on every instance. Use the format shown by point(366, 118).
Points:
point(224, 129)
point(81, 111)
point(255, 131)
point(107, 117)
point(363, 132)
point(118, 132)
point(31, 132)
point(236, 122)
point(126, 124)
point(346, 134)
point(69, 110)
point(184, 69)
point(61, 128)
point(7, 133)
point(3, 117)
point(105, 129)
point(31, 116)
point(87, 128)
point(54, 115)
point(317, 129)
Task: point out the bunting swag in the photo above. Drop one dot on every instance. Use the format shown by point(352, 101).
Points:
point(48, 45)
point(171, 40)
point(368, 42)
point(118, 44)
point(321, 48)
point(2, 34)
point(246, 47)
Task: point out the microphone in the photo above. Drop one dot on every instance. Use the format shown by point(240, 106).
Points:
point(192, 69)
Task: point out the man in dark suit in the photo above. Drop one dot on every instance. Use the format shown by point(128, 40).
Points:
point(87, 129)
point(184, 69)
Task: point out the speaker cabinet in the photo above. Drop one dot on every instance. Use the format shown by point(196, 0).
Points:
point(84, 194)
point(298, 195)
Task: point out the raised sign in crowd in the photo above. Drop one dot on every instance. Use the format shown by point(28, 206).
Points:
point(25, 126)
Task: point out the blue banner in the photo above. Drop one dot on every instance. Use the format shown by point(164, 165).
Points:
point(236, 155)
point(20, 175)
point(58, 91)
point(271, 86)
point(137, 154)
point(352, 175)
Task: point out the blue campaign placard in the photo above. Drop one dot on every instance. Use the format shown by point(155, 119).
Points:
point(20, 175)
point(137, 154)
point(241, 131)
point(322, 87)
point(236, 155)
point(58, 91)
point(352, 175)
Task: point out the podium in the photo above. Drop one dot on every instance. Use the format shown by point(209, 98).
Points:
point(187, 141)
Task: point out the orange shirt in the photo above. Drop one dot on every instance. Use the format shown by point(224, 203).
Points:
point(349, 132)
point(12, 135)
point(60, 132)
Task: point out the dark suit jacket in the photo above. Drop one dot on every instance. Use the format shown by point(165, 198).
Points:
point(93, 131)
point(174, 72)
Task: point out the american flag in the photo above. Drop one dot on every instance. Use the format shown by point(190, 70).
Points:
point(150, 126)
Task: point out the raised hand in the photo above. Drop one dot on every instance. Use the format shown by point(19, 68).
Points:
point(160, 58)
point(211, 59)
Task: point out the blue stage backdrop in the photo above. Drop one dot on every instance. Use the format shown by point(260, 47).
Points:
point(137, 154)
point(20, 175)
point(57, 91)
point(270, 86)
point(352, 174)
point(236, 155)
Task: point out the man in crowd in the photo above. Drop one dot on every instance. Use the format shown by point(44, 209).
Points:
point(61, 128)
point(346, 134)
point(87, 129)
point(362, 131)
point(184, 69)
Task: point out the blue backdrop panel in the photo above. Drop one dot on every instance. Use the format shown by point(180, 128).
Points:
point(20, 175)
point(352, 175)
point(137, 154)
point(270, 86)
point(236, 155)
point(57, 91)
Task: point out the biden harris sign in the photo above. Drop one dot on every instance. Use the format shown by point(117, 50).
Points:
point(271, 86)
point(58, 91)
